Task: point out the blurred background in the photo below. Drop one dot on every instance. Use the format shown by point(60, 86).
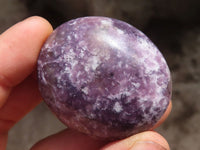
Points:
point(173, 25)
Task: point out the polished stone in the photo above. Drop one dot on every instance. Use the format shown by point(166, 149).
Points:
point(104, 77)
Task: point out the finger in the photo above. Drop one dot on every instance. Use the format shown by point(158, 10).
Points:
point(19, 49)
point(3, 139)
point(22, 99)
point(68, 140)
point(164, 117)
point(148, 140)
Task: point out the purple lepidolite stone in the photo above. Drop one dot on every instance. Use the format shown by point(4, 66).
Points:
point(103, 77)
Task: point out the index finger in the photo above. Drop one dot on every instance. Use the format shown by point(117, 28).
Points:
point(19, 49)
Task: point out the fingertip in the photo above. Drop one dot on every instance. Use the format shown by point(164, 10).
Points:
point(154, 137)
point(144, 138)
point(37, 29)
point(41, 22)
point(23, 42)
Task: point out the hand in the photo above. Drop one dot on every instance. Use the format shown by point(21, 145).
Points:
point(19, 49)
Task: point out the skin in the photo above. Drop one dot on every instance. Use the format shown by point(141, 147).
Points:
point(19, 49)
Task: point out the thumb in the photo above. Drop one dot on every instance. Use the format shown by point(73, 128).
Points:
point(149, 140)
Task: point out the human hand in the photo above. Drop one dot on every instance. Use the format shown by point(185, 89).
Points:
point(19, 49)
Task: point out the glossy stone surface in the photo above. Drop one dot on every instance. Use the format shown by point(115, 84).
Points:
point(103, 77)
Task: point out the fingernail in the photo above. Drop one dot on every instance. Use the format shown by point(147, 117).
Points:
point(147, 145)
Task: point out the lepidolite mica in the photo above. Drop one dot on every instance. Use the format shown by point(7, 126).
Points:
point(103, 77)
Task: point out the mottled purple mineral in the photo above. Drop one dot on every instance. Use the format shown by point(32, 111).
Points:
point(103, 77)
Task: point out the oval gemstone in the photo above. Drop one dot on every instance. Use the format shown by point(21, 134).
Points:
point(103, 77)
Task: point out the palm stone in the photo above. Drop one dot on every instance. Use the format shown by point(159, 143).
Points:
point(103, 77)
